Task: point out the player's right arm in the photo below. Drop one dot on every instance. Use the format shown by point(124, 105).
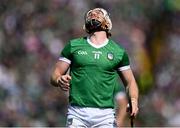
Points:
point(59, 78)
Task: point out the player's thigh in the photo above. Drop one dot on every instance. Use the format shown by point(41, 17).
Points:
point(107, 123)
point(75, 123)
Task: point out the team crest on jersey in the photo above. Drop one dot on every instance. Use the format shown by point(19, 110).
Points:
point(110, 56)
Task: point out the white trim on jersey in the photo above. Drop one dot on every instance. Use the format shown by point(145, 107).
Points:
point(65, 60)
point(124, 68)
point(98, 46)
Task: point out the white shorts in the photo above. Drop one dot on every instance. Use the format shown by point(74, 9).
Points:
point(87, 117)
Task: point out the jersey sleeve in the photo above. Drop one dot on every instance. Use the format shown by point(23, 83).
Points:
point(124, 64)
point(66, 54)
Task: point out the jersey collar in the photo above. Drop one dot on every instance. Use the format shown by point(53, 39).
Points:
point(97, 46)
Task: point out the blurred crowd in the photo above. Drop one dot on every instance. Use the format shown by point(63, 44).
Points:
point(33, 33)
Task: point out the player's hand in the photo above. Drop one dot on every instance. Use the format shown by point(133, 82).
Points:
point(135, 108)
point(64, 82)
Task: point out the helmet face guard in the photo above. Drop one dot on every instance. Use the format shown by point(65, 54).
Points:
point(93, 25)
point(97, 20)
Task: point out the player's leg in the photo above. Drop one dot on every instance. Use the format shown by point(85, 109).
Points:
point(75, 118)
point(102, 117)
point(73, 122)
point(90, 117)
point(106, 123)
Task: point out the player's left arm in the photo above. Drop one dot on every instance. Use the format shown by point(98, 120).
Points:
point(130, 83)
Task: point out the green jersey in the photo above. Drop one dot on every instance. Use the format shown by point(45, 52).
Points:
point(94, 71)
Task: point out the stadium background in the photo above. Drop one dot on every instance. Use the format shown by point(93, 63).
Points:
point(33, 32)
